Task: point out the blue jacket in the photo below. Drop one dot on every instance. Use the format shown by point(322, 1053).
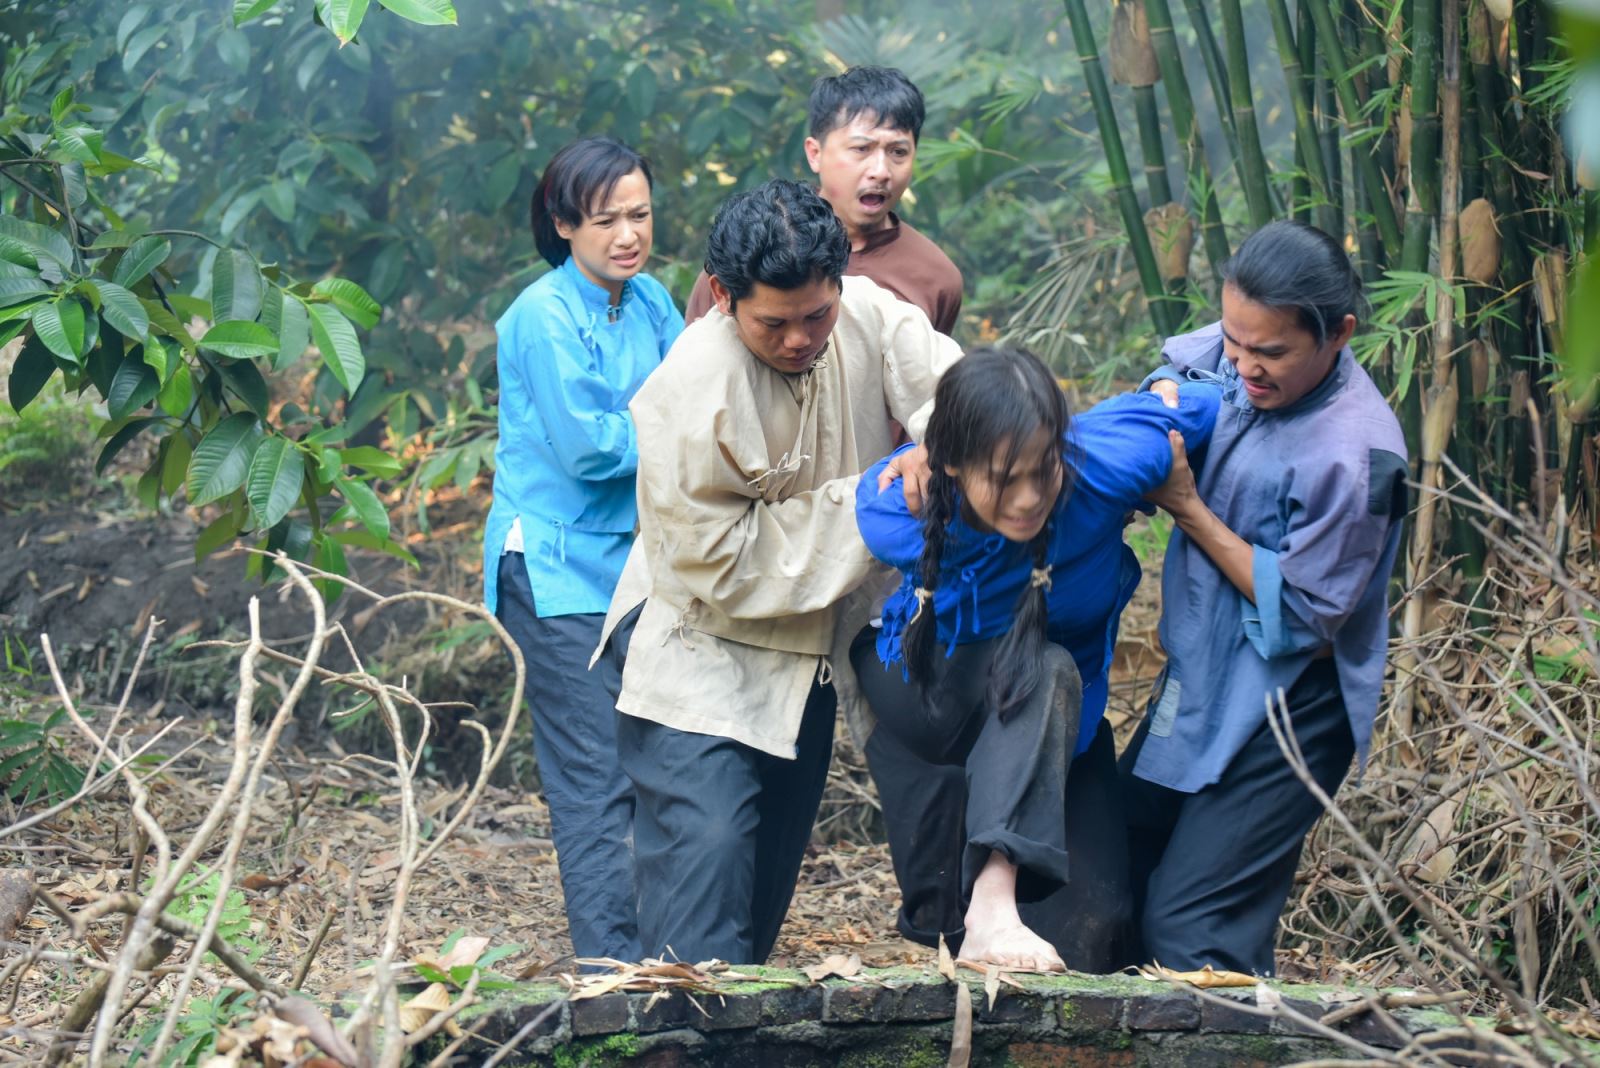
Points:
point(1318, 490)
point(568, 451)
point(1119, 452)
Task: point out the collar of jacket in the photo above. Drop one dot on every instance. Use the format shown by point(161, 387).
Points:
point(595, 297)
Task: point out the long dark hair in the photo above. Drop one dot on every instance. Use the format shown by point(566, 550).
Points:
point(991, 396)
point(579, 176)
point(1288, 264)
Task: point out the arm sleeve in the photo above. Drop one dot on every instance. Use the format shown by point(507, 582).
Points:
point(891, 532)
point(1338, 527)
point(914, 356)
point(1200, 350)
point(672, 325)
point(752, 558)
point(700, 300)
point(1129, 433)
point(586, 418)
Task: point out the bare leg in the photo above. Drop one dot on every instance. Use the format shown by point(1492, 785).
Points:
point(995, 931)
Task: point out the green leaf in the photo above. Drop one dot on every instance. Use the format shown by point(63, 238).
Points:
point(642, 91)
point(61, 106)
point(425, 12)
point(279, 199)
point(351, 299)
point(353, 159)
point(59, 325)
point(344, 18)
point(294, 334)
point(368, 508)
point(134, 386)
point(361, 539)
point(235, 287)
point(29, 374)
point(245, 10)
point(234, 49)
point(130, 21)
point(121, 438)
point(341, 349)
point(240, 340)
point(139, 44)
point(178, 392)
point(79, 142)
point(371, 459)
point(273, 484)
point(24, 242)
point(142, 257)
point(219, 532)
point(123, 310)
point(157, 357)
point(244, 378)
point(222, 459)
point(17, 290)
point(502, 181)
point(242, 206)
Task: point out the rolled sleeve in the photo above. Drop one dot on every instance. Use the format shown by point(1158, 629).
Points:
point(1269, 624)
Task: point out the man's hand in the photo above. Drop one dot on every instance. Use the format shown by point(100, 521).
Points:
point(1177, 494)
point(1167, 390)
point(913, 467)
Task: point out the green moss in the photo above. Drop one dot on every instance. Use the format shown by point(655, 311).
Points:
point(521, 994)
point(596, 1052)
point(924, 1049)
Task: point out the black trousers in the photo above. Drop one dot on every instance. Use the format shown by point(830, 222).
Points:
point(719, 832)
point(1212, 870)
point(955, 784)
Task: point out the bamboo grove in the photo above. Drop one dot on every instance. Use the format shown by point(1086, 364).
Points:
point(1428, 134)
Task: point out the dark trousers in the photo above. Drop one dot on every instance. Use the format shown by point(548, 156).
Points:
point(575, 741)
point(955, 783)
point(720, 831)
point(1212, 870)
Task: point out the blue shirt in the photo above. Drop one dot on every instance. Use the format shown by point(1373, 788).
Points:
point(1318, 490)
point(568, 451)
point(1118, 452)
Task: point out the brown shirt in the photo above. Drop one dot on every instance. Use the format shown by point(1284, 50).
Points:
point(900, 260)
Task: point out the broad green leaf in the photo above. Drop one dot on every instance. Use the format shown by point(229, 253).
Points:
point(245, 380)
point(279, 199)
point(242, 206)
point(178, 392)
point(123, 310)
point(16, 290)
point(425, 12)
point(222, 458)
point(117, 238)
point(341, 349)
point(368, 508)
point(234, 49)
point(294, 334)
point(370, 459)
point(130, 21)
point(120, 439)
point(175, 454)
point(351, 299)
point(158, 357)
point(273, 484)
point(245, 10)
point(344, 18)
point(353, 159)
point(502, 181)
point(79, 142)
point(139, 44)
point(24, 242)
point(330, 558)
point(169, 325)
point(59, 325)
point(134, 386)
point(219, 532)
point(29, 374)
point(61, 106)
point(642, 91)
point(240, 339)
point(142, 257)
point(235, 287)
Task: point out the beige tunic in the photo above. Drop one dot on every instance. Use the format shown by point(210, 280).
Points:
point(748, 560)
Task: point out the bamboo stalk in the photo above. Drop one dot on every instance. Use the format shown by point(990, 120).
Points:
point(1332, 50)
point(1252, 163)
point(1308, 147)
point(1422, 202)
point(1165, 317)
point(1332, 216)
point(1216, 70)
point(1187, 127)
point(1155, 153)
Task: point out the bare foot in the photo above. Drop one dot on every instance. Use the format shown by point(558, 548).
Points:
point(1013, 945)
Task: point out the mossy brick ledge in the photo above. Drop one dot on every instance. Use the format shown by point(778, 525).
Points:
point(901, 1018)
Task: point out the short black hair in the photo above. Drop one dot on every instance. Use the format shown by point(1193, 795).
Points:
point(581, 174)
point(781, 234)
point(1288, 264)
point(881, 91)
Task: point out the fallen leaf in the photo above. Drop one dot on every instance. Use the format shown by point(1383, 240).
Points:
point(415, 1013)
point(947, 967)
point(465, 952)
point(991, 984)
point(1205, 978)
point(318, 1029)
point(836, 965)
point(961, 1028)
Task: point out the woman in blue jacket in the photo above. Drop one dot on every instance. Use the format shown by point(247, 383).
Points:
point(574, 348)
point(1016, 569)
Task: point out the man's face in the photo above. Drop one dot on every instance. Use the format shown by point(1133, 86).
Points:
point(863, 168)
point(786, 329)
point(1277, 358)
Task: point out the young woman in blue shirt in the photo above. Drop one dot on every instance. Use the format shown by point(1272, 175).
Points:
point(993, 656)
point(574, 347)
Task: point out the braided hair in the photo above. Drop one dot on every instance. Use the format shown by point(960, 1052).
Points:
point(992, 398)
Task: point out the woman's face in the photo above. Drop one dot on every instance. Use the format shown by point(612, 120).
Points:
point(1014, 503)
point(1277, 358)
point(613, 241)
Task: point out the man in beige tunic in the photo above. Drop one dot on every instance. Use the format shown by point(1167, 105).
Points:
point(749, 567)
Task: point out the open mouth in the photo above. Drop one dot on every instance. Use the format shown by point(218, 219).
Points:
point(873, 201)
point(626, 261)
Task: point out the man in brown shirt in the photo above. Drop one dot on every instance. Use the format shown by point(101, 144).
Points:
point(864, 126)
